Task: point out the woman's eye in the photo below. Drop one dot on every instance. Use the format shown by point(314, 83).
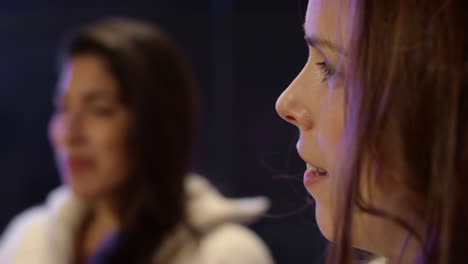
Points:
point(102, 111)
point(326, 70)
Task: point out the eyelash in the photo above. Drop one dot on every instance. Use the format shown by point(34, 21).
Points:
point(326, 70)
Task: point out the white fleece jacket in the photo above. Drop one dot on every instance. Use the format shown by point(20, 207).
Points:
point(379, 260)
point(44, 234)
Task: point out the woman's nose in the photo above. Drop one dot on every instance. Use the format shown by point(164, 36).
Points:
point(65, 129)
point(284, 107)
point(292, 106)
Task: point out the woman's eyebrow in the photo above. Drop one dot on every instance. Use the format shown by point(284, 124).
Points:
point(87, 98)
point(321, 43)
point(95, 96)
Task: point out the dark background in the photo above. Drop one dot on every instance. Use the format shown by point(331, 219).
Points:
point(244, 54)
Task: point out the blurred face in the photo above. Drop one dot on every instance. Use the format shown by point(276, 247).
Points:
point(89, 128)
point(315, 103)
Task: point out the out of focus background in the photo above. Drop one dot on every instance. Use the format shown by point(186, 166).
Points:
point(244, 54)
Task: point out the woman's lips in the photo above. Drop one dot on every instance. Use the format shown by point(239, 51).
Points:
point(313, 175)
point(79, 164)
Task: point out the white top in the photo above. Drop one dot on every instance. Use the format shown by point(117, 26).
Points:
point(379, 260)
point(44, 234)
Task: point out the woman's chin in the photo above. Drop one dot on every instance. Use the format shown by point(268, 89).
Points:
point(324, 221)
point(82, 192)
point(82, 189)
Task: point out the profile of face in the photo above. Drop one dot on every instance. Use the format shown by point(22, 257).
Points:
point(315, 103)
point(89, 128)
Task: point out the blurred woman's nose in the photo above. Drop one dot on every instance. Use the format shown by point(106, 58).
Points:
point(65, 129)
point(292, 106)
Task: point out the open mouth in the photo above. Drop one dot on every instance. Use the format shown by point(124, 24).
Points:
point(316, 170)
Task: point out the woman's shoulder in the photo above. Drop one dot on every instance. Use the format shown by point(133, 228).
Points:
point(207, 207)
point(219, 221)
point(378, 260)
point(226, 243)
point(233, 243)
point(27, 233)
point(25, 223)
point(34, 219)
point(23, 234)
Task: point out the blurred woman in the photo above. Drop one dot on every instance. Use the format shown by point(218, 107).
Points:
point(122, 134)
point(381, 106)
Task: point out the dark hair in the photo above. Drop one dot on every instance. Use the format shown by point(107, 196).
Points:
point(407, 111)
point(157, 87)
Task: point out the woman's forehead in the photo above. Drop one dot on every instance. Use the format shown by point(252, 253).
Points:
point(85, 75)
point(327, 19)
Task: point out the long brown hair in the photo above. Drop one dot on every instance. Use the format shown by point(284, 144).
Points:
point(157, 87)
point(407, 108)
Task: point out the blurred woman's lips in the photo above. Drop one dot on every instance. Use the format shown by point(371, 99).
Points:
point(77, 164)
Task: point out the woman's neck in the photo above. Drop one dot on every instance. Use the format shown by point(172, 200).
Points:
point(104, 218)
point(396, 243)
point(407, 253)
point(100, 222)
